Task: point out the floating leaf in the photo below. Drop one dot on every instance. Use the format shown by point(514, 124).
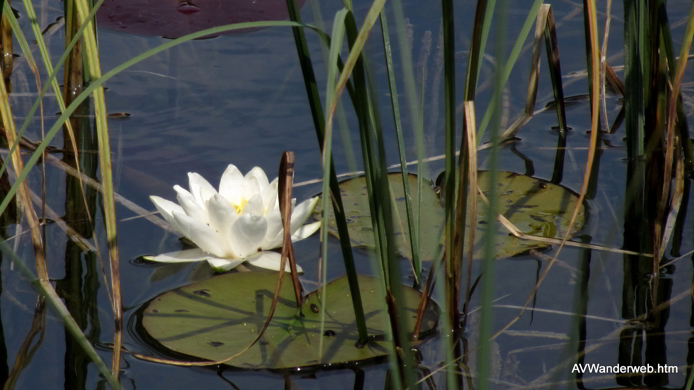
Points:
point(533, 205)
point(176, 18)
point(218, 317)
point(358, 214)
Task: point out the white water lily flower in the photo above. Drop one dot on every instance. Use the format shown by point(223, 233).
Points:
point(239, 223)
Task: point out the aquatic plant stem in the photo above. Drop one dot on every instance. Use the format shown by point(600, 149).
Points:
point(480, 33)
point(670, 140)
point(110, 221)
point(18, 163)
point(411, 221)
point(489, 265)
point(513, 57)
point(451, 269)
point(319, 124)
point(467, 195)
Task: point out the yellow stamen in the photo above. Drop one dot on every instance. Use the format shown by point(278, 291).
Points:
point(239, 207)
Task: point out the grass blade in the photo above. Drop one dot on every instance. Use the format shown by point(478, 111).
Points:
point(411, 221)
point(467, 194)
point(489, 266)
point(513, 57)
point(319, 123)
point(480, 33)
point(452, 264)
point(670, 140)
point(100, 112)
point(18, 163)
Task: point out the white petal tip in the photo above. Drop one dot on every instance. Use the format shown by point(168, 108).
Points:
point(222, 265)
point(271, 261)
point(314, 202)
point(184, 256)
point(306, 231)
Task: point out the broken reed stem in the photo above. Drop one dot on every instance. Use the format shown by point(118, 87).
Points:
point(286, 176)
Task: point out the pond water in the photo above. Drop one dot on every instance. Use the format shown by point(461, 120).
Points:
point(240, 99)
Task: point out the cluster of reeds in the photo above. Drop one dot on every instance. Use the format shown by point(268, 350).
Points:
point(657, 139)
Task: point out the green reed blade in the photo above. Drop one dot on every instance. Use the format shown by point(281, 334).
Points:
point(513, 57)
point(373, 152)
point(7, 11)
point(411, 222)
point(10, 131)
point(489, 266)
point(395, 293)
point(452, 264)
point(416, 113)
point(31, 14)
point(345, 134)
point(480, 34)
point(326, 149)
point(634, 77)
point(52, 76)
point(552, 47)
point(109, 203)
point(467, 194)
point(671, 119)
point(682, 127)
point(319, 123)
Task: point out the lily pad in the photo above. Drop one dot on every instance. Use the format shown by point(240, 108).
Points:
point(216, 318)
point(534, 206)
point(176, 18)
point(356, 202)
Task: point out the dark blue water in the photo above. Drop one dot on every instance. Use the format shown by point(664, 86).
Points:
point(240, 99)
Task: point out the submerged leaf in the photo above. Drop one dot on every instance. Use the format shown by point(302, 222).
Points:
point(218, 317)
point(533, 205)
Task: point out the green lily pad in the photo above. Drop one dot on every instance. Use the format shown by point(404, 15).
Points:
point(356, 202)
point(533, 205)
point(218, 317)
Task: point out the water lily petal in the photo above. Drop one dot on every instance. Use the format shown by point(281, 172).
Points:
point(260, 175)
point(197, 183)
point(255, 206)
point(270, 197)
point(273, 236)
point(231, 180)
point(201, 234)
point(271, 260)
point(251, 187)
point(302, 212)
point(276, 241)
point(221, 265)
point(221, 215)
point(248, 234)
point(166, 208)
point(184, 256)
point(190, 205)
point(206, 193)
point(305, 231)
